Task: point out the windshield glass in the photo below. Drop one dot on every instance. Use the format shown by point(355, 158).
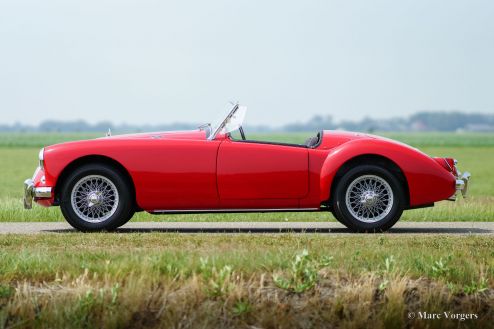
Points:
point(231, 122)
point(235, 121)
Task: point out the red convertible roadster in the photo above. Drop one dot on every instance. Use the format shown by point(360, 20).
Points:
point(365, 181)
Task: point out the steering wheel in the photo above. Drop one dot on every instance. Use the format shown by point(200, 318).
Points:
point(242, 132)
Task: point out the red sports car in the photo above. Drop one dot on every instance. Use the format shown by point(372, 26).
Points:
point(365, 181)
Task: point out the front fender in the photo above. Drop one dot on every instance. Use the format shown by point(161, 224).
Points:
point(428, 182)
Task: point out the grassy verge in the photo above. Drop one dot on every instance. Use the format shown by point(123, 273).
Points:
point(175, 280)
point(476, 209)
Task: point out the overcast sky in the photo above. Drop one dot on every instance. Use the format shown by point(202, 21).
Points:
point(166, 61)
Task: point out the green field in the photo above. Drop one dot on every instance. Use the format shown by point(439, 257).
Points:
point(475, 153)
point(416, 139)
point(222, 280)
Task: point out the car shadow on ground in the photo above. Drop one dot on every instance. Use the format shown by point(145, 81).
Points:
point(403, 230)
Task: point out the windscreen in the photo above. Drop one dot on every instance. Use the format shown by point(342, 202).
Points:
point(235, 121)
point(231, 122)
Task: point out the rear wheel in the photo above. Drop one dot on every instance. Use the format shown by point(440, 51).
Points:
point(96, 197)
point(368, 198)
point(339, 218)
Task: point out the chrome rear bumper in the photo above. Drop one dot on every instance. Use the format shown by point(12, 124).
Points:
point(461, 184)
point(31, 192)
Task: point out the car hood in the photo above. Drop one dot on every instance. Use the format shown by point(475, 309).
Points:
point(118, 139)
point(186, 134)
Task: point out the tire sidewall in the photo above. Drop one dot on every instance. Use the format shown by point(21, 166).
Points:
point(341, 208)
point(124, 207)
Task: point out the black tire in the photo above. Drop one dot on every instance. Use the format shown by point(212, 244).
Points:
point(121, 211)
point(347, 213)
point(339, 218)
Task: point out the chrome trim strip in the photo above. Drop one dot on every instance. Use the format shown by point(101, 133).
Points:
point(447, 163)
point(194, 211)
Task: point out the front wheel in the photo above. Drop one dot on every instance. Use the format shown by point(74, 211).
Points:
point(96, 197)
point(368, 198)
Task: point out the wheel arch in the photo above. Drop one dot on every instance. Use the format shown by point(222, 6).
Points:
point(374, 159)
point(94, 159)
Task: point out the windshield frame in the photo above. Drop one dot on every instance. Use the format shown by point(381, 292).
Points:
point(217, 130)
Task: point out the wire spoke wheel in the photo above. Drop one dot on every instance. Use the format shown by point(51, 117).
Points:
point(369, 198)
point(94, 198)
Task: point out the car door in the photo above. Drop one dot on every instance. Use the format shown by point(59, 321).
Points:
point(261, 171)
point(174, 174)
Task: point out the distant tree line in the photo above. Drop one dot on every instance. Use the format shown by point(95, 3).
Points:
point(421, 121)
point(83, 126)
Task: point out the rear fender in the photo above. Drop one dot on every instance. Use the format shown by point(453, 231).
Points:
point(427, 181)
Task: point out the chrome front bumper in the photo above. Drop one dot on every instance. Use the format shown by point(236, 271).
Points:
point(31, 192)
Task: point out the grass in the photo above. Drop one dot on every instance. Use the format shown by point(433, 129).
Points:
point(426, 139)
point(272, 281)
point(38, 140)
point(418, 139)
point(19, 162)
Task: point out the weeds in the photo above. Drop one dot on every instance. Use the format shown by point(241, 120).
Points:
point(389, 264)
point(476, 287)
point(383, 284)
point(6, 291)
point(241, 307)
point(303, 274)
point(441, 268)
point(219, 282)
point(114, 293)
